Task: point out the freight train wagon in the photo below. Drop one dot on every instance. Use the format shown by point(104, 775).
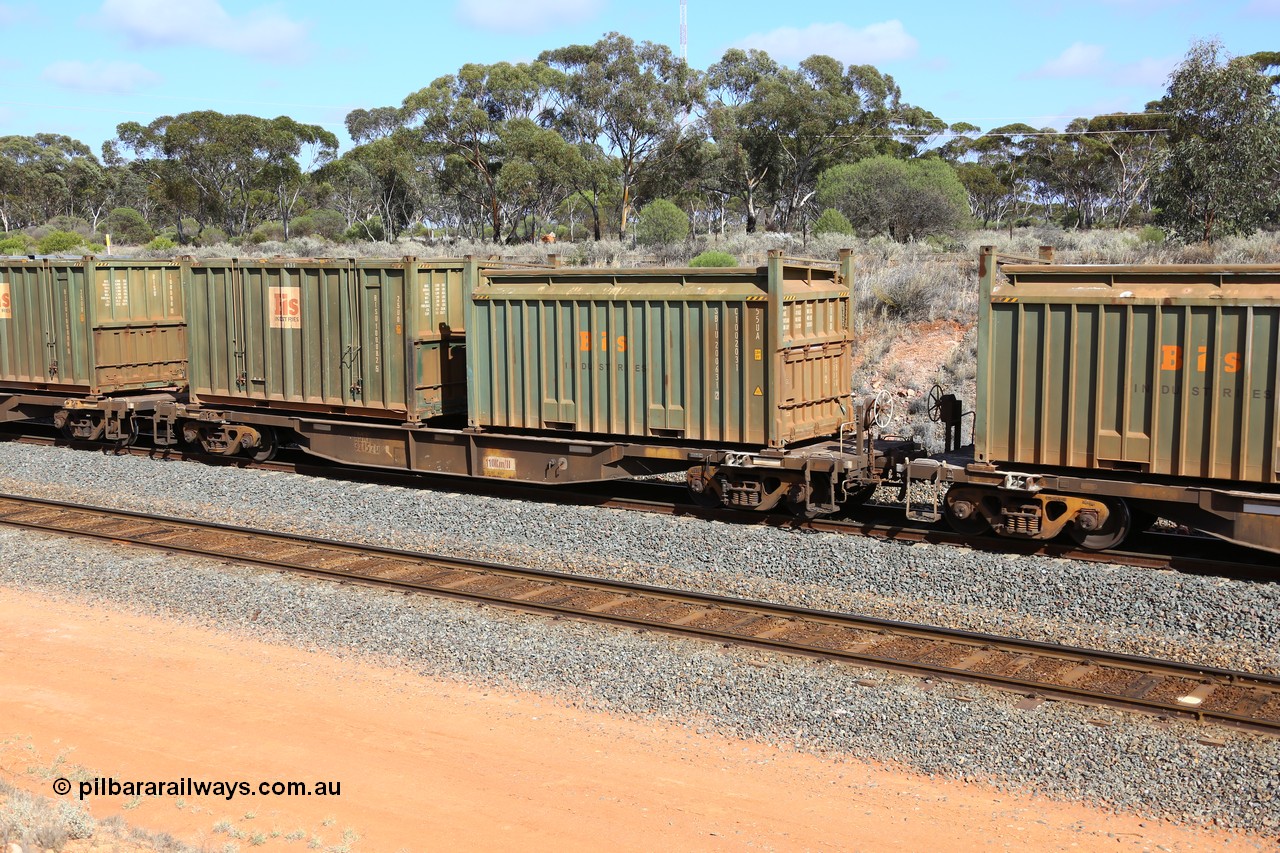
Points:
point(379, 340)
point(741, 375)
point(108, 335)
point(1109, 395)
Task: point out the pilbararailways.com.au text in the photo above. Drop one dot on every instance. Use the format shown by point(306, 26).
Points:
point(188, 787)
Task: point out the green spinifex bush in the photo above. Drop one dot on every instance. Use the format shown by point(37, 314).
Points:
point(714, 258)
point(661, 223)
point(56, 242)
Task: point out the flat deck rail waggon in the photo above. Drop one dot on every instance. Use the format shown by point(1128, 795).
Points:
point(1108, 396)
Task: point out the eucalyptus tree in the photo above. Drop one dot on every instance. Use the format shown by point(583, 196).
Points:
point(690, 175)
point(388, 174)
point(626, 100)
point(1136, 147)
point(47, 175)
point(993, 167)
point(537, 175)
point(229, 169)
point(595, 182)
point(792, 124)
point(1223, 171)
point(1070, 169)
point(467, 116)
point(989, 196)
point(748, 156)
point(19, 173)
point(292, 152)
point(1267, 62)
point(383, 177)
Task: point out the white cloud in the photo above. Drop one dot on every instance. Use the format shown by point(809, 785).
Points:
point(874, 43)
point(1150, 72)
point(1089, 60)
point(262, 32)
point(1079, 60)
point(115, 78)
point(1263, 7)
point(525, 16)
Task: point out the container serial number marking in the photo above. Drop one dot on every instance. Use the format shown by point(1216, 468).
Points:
point(639, 368)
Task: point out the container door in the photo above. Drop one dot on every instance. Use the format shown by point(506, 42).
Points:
point(380, 332)
point(49, 332)
point(240, 288)
point(29, 340)
point(350, 322)
point(68, 343)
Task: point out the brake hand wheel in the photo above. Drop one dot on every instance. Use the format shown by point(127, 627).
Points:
point(935, 403)
point(881, 411)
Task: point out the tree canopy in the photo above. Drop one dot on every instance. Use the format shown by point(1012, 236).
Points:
point(586, 134)
point(1223, 170)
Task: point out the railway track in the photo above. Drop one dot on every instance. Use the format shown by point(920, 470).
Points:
point(1037, 670)
point(1187, 554)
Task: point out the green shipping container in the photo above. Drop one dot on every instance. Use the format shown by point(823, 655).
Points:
point(373, 338)
point(1160, 370)
point(745, 356)
point(91, 326)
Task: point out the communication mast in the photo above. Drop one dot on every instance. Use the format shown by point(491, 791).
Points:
point(684, 31)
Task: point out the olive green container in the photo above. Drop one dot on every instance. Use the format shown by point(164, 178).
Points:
point(374, 338)
point(744, 356)
point(91, 326)
point(1159, 370)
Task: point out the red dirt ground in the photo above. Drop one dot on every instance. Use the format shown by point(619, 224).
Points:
point(426, 764)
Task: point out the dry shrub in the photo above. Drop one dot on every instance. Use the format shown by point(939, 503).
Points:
point(1195, 253)
point(41, 823)
point(916, 291)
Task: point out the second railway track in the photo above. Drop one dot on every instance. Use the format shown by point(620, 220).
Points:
point(1038, 670)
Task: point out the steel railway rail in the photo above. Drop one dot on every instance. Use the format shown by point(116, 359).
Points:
point(1199, 555)
point(1039, 670)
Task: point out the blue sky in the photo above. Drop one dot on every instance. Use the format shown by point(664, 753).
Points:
point(80, 68)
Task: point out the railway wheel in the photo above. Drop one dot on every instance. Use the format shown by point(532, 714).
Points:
point(1112, 532)
point(267, 447)
point(87, 428)
point(702, 490)
point(960, 509)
